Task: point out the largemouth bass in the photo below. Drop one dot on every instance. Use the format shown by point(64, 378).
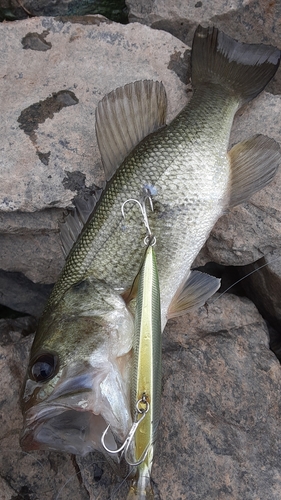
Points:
point(78, 379)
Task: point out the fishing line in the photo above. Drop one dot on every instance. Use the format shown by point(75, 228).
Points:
point(119, 486)
point(86, 468)
point(244, 277)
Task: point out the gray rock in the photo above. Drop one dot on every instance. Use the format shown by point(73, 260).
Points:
point(261, 281)
point(49, 147)
point(30, 244)
point(22, 295)
point(51, 96)
point(219, 435)
point(252, 21)
point(14, 9)
point(12, 329)
point(226, 446)
point(49, 116)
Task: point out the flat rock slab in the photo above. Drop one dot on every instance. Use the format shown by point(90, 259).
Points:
point(53, 73)
point(31, 245)
point(219, 436)
point(251, 21)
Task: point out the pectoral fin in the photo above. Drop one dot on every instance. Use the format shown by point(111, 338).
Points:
point(253, 165)
point(125, 116)
point(194, 293)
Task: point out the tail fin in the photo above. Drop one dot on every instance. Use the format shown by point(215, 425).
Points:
point(244, 69)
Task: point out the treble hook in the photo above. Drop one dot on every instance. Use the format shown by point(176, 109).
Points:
point(149, 240)
point(129, 438)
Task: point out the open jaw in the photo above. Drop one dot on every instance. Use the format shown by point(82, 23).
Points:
point(67, 430)
point(73, 417)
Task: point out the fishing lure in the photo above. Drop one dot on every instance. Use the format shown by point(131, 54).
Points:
point(139, 446)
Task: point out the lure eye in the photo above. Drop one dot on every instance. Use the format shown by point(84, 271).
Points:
point(44, 367)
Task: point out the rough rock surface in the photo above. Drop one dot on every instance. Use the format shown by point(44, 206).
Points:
point(14, 9)
point(56, 156)
point(30, 243)
point(49, 151)
point(51, 96)
point(219, 435)
point(264, 289)
point(251, 21)
point(220, 432)
point(22, 295)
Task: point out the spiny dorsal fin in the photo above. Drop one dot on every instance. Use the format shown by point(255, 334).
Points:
point(194, 293)
point(253, 165)
point(71, 227)
point(125, 116)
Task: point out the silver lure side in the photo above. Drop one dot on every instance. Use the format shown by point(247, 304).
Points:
point(146, 376)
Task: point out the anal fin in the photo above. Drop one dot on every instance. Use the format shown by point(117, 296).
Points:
point(253, 165)
point(197, 289)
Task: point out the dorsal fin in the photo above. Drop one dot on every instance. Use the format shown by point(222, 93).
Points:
point(75, 220)
point(125, 116)
point(196, 290)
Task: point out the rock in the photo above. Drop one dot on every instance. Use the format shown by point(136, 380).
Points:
point(49, 146)
point(12, 329)
point(219, 428)
point(219, 433)
point(54, 161)
point(59, 158)
point(51, 96)
point(252, 21)
point(262, 284)
point(30, 244)
point(13, 9)
point(22, 295)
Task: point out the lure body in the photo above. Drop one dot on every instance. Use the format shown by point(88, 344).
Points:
point(146, 375)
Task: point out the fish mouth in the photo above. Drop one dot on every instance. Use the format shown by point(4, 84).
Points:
point(74, 416)
point(67, 430)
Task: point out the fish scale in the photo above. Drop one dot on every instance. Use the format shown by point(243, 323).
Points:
point(78, 379)
point(110, 247)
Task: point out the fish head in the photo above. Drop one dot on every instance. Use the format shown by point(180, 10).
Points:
point(77, 382)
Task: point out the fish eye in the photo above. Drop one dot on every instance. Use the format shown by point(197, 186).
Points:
point(44, 367)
